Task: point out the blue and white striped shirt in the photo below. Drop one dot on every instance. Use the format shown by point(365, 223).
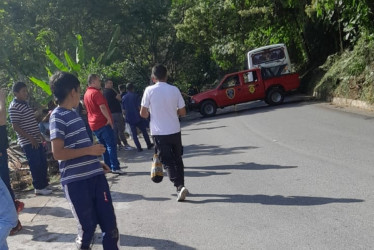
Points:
point(68, 125)
point(21, 114)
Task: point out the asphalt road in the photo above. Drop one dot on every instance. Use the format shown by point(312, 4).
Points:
point(296, 176)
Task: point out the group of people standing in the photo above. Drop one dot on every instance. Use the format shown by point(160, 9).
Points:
point(82, 174)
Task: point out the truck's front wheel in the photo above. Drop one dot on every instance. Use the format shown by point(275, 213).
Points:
point(275, 96)
point(208, 108)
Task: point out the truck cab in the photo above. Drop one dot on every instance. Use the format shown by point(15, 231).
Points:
point(245, 86)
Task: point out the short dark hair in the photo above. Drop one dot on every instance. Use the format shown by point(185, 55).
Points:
point(18, 86)
point(122, 87)
point(62, 83)
point(91, 77)
point(130, 86)
point(107, 80)
point(159, 72)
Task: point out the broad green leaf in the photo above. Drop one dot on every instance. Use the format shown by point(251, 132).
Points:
point(79, 52)
point(73, 66)
point(54, 59)
point(43, 85)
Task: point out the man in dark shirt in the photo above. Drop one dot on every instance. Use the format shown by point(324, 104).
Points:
point(113, 100)
point(131, 106)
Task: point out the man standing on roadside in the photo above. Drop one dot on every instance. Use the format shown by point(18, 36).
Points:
point(114, 104)
point(101, 122)
point(29, 137)
point(165, 103)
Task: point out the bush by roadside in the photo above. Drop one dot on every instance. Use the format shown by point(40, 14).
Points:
point(348, 75)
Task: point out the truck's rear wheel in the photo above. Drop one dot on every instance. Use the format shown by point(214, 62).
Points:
point(275, 96)
point(208, 108)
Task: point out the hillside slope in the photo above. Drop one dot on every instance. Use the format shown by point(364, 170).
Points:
point(348, 75)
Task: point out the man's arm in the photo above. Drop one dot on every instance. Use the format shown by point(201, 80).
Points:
point(144, 112)
point(2, 108)
point(105, 112)
point(182, 111)
point(23, 133)
point(61, 153)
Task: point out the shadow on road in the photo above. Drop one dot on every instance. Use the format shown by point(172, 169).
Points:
point(203, 149)
point(136, 241)
point(52, 211)
point(205, 171)
point(242, 166)
point(277, 200)
point(41, 234)
point(206, 128)
point(125, 197)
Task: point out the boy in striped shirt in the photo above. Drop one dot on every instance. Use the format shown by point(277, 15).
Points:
point(29, 137)
point(82, 174)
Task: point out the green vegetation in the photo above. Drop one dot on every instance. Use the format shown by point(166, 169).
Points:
point(350, 74)
point(198, 40)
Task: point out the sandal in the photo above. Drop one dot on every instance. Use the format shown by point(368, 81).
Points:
point(16, 229)
point(19, 205)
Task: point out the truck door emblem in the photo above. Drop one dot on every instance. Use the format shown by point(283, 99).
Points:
point(230, 93)
point(251, 88)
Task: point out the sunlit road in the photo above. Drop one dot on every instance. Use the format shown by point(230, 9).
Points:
point(296, 176)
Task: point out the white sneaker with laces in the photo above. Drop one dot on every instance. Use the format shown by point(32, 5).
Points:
point(44, 191)
point(118, 171)
point(181, 195)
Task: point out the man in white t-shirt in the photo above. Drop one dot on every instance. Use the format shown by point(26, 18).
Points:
point(165, 103)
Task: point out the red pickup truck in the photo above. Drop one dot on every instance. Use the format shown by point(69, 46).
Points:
point(249, 85)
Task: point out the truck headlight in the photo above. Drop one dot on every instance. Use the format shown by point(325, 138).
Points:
point(193, 101)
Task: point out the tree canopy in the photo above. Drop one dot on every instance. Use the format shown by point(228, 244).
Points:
point(198, 40)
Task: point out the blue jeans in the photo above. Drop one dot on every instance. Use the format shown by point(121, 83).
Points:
point(8, 215)
point(105, 135)
point(38, 165)
point(4, 171)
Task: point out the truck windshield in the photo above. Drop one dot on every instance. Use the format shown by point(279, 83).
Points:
point(267, 56)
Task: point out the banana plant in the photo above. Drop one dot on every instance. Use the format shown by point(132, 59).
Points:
point(73, 67)
point(76, 66)
point(106, 57)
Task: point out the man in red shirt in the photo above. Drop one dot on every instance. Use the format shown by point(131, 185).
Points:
point(101, 121)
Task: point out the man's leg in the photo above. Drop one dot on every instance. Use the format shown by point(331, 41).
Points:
point(135, 137)
point(165, 148)
point(8, 215)
point(111, 146)
point(119, 127)
point(80, 195)
point(4, 172)
point(178, 151)
point(99, 135)
point(106, 215)
point(38, 166)
point(142, 125)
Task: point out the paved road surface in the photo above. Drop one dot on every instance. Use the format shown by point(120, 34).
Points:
point(296, 176)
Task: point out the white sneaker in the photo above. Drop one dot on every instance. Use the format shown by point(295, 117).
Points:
point(44, 191)
point(181, 195)
point(119, 172)
point(127, 148)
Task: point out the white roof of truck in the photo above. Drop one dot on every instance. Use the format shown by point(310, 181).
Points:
point(267, 47)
